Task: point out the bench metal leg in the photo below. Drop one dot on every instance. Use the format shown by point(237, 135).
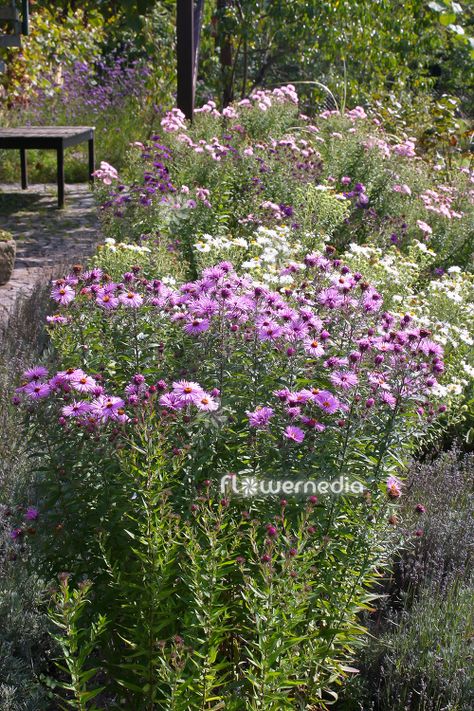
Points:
point(60, 152)
point(24, 169)
point(91, 159)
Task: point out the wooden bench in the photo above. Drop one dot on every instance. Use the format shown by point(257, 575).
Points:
point(55, 138)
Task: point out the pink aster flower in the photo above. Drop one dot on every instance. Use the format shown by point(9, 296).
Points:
point(107, 407)
point(63, 294)
point(260, 417)
point(171, 401)
point(343, 379)
point(394, 487)
point(83, 383)
point(131, 299)
point(205, 403)
point(187, 391)
point(76, 409)
point(389, 399)
point(197, 325)
point(313, 347)
point(293, 433)
point(269, 331)
point(313, 424)
point(326, 401)
point(107, 301)
point(403, 188)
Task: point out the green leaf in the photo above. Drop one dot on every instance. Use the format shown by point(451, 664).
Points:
point(447, 18)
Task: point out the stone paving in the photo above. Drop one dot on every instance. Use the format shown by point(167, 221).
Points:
point(47, 239)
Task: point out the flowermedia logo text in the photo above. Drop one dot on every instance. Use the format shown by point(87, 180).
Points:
point(252, 486)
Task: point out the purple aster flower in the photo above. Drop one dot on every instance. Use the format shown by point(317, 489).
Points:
point(331, 298)
point(294, 433)
point(431, 348)
point(327, 402)
point(76, 409)
point(282, 394)
point(36, 390)
point(171, 401)
point(16, 533)
point(197, 325)
point(35, 373)
point(313, 424)
point(372, 300)
point(31, 514)
point(343, 379)
point(260, 417)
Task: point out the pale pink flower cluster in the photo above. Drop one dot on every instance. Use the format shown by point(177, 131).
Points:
point(214, 147)
point(173, 121)
point(297, 147)
point(403, 188)
point(383, 146)
point(209, 108)
point(440, 202)
point(357, 113)
point(107, 173)
point(426, 229)
point(272, 207)
point(405, 149)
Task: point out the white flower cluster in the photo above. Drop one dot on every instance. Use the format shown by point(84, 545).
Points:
point(269, 255)
point(114, 246)
point(444, 305)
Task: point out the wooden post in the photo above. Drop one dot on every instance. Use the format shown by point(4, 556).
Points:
point(60, 152)
point(24, 169)
point(25, 20)
point(225, 42)
point(186, 55)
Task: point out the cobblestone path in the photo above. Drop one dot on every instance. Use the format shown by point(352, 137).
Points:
point(47, 238)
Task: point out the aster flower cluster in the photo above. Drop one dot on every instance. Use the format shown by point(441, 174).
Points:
point(73, 386)
point(106, 173)
point(355, 361)
point(85, 402)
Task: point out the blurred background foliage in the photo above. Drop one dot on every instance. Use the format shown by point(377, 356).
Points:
point(411, 61)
